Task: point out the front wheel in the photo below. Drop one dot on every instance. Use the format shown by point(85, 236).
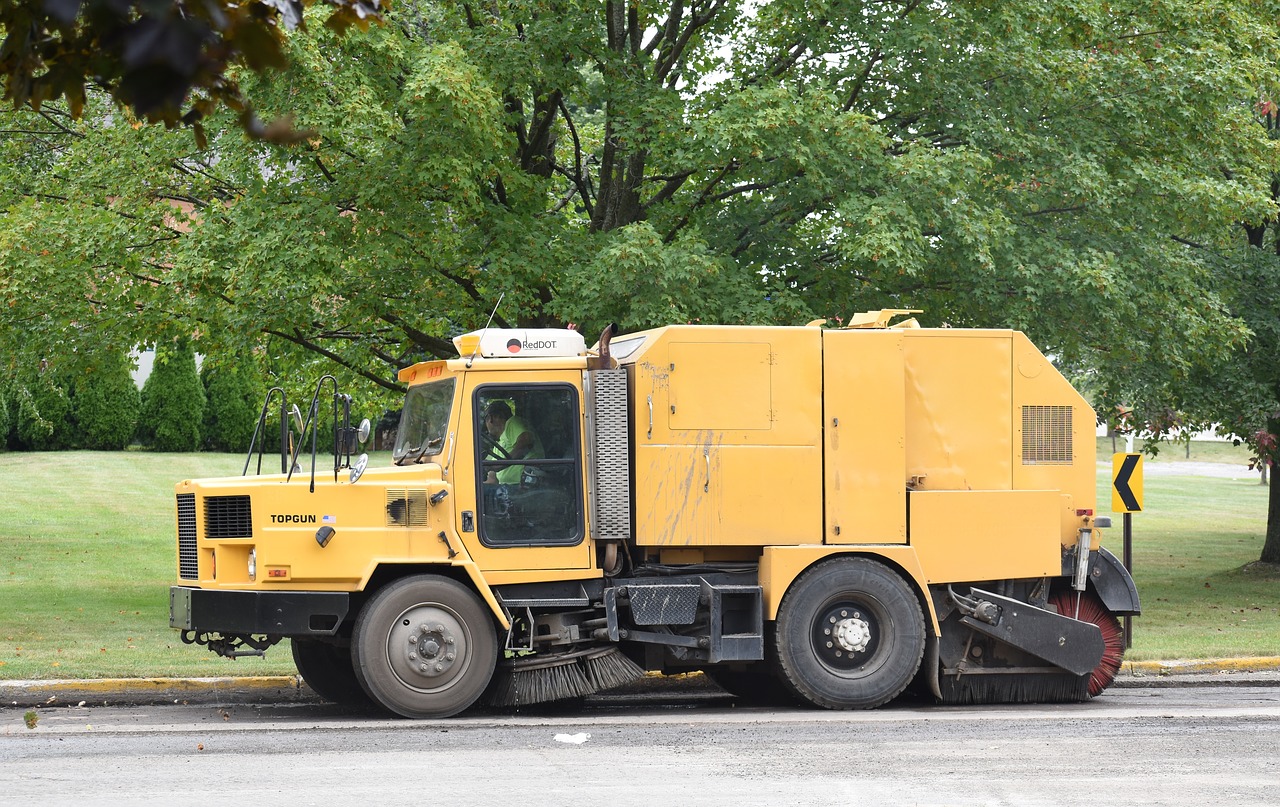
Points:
point(327, 670)
point(850, 635)
point(425, 647)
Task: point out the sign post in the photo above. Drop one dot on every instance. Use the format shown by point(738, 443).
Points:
point(1126, 497)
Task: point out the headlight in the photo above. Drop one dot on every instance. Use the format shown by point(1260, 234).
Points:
point(253, 564)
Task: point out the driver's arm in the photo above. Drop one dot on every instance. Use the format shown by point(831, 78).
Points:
point(523, 445)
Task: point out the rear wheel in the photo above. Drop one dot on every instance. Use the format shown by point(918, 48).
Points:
point(425, 647)
point(850, 634)
point(327, 669)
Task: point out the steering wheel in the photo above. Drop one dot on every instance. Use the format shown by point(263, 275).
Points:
point(492, 448)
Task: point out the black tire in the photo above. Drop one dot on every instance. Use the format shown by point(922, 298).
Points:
point(424, 647)
point(850, 635)
point(327, 669)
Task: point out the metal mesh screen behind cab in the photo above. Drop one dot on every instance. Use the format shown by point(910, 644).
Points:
point(1046, 435)
point(610, 454)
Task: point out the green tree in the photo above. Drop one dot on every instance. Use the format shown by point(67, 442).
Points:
point(105, 403)
point(43, 416)
point(5, 418)
point(172, 401)
point(691, 160)
point(154, 57)
point(233, 400)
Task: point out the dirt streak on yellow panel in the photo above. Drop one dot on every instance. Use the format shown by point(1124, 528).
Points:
point(727, 434)
point(958, 409)
point(729, 495)
point(962, 536)
point(865, 424)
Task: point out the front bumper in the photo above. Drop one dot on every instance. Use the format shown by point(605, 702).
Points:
point(281, 613)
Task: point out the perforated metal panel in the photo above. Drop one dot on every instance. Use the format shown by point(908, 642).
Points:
point(188, 558)
point(664, 604)
point(406, 508)
point(1046, 435)
point(610, 451)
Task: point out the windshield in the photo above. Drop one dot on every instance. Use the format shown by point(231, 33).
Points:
point(424, 421)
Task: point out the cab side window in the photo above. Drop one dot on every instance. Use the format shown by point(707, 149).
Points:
point(529, 473)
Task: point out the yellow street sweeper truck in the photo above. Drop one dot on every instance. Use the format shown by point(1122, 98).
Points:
point(808, 513)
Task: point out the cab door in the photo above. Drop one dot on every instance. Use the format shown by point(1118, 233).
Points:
point(536, 519)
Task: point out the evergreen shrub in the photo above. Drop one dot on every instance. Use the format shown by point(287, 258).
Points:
point(172, 402)
point(233, 399)
point(105, 405)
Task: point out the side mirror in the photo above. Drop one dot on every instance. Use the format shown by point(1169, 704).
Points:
point(357, 470)
point(297, 418)
point(362, 431)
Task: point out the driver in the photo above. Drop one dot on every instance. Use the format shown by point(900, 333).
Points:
point(515, 439)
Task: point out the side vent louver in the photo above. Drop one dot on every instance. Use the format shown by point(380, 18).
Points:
point(188, 559)
point(228, 517)
point(406, 508)
point(1046, 435)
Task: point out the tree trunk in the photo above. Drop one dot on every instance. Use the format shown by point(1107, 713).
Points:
point(1271, 548)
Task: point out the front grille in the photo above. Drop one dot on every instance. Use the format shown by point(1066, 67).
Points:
point(1046, 435)
point(188, 560)
point(228, 517)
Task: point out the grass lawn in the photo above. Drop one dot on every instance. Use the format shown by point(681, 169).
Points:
point(87, 555)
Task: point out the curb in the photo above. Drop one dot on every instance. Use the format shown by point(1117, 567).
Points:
point(1141, 669)
point(231, 691)
point(223, 691)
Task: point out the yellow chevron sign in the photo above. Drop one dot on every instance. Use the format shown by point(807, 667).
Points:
point(1126, 483)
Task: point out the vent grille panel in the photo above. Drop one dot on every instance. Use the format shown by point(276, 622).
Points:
point(406, 508)
point(228, 517)
point(1046, 435)
point(188, 560)
point(610, 454)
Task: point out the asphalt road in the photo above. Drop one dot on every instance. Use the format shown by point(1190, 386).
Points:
point(1139, 746)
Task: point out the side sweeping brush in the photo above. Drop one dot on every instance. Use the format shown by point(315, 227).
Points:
point(609, 667)
point(990, 685)
point(1092, 610)
point(537, 679)
point(541, 678)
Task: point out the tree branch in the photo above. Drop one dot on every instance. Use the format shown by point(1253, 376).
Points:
point(303, 342)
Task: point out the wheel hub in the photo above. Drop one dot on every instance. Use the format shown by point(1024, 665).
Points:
point(431, 649)
point(852, 633)
point(427, 647)
point(846, 635)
